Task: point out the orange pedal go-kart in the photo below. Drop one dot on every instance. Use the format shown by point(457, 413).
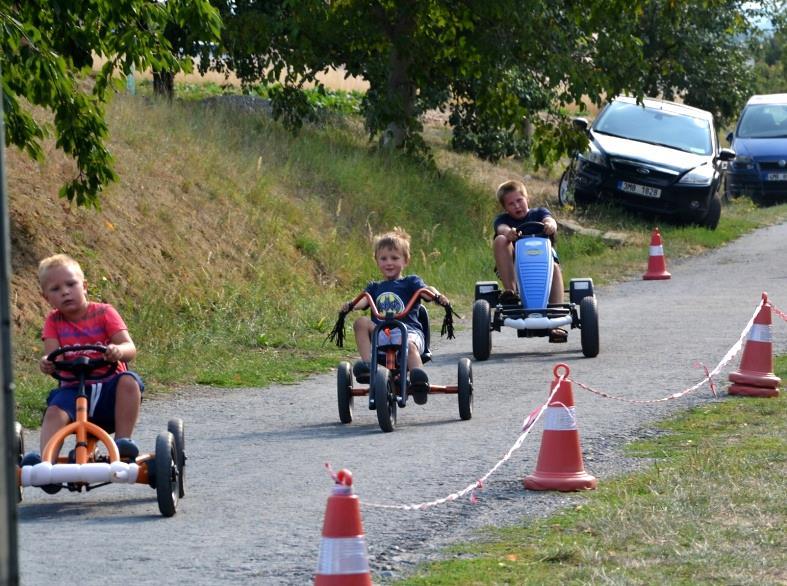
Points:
point(95, 460)
point(389, 385)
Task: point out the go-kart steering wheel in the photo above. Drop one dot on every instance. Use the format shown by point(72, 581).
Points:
point(530, 228)
point(81, 367)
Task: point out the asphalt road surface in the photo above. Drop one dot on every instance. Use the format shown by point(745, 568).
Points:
point(256, 481)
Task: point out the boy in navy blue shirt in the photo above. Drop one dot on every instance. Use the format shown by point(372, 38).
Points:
point(392, 293)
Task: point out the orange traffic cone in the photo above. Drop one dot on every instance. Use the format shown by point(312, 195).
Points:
point(343, 558)
point(754, 377)
point(560, 458)
point(657, 266)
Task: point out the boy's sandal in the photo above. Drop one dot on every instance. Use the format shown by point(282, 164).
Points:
point(558, 336)
point(509, 297)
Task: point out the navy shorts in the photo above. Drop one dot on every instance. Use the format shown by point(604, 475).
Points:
point(101, 400)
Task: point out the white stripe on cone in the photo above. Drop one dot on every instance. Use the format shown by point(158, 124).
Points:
point(657, 250)
point(342, 555)
point(760, 333)
point(560, 419)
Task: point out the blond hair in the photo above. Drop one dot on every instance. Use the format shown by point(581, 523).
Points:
point(57, 260)
point(508, 186)
point(397, 239)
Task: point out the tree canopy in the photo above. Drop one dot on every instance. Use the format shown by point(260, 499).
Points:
point(500, 68)
point(47, 50)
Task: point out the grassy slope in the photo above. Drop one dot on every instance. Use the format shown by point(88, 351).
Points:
point(228, 244)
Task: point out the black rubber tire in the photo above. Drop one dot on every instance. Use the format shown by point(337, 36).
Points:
point(565, 188)
point(482, 330)
point(167, 481)
point(19, 450)
point(175, 427)
point(344, 392)
point(384, 399)
point(588, 319)
point(711, 219)
point(465, 390)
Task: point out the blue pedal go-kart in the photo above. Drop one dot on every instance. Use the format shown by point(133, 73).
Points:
point(389, 384)
point(534, 316)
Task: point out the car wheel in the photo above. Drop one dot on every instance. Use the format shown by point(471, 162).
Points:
point(711, 220)
point(19, 449)
point(175, 427)
point(565, 188)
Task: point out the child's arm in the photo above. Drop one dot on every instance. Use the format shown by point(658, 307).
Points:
point(121, 347)
point(362, 304)
point(550, 225)
point(46, 365)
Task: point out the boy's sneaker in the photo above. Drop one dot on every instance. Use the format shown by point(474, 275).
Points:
point(33, 458)
point(419, 386)
point(127, 448)
point(361, 371)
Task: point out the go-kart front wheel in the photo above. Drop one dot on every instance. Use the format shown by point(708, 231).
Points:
point(344, 392)
point(465, 390)
point(384, 399)
point(175, 427)
point(482, 330)
point(19, 450)
point(588, 316)
point(167, 489)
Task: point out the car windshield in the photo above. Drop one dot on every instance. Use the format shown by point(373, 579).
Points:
point(763, 121)
point(656, 126)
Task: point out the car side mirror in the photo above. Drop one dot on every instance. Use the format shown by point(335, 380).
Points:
point(729, 138)
point(726, 155)
point(580, 124)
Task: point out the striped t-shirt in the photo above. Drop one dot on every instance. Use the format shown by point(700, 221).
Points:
point(100, 323)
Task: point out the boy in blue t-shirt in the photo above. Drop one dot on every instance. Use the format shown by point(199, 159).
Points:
point(512, 196)
point(392, 293)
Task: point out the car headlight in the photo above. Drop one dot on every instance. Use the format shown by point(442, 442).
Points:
point(702, 175)
point(594, 155)
point(743, 162)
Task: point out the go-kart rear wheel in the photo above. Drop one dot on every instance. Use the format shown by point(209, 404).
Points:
point(384, 399)
point(465, 391)
point(482, 330)
point(344, 392)
point(175, 427)
point(167, 489)
point(588, 317)
point(19, 450)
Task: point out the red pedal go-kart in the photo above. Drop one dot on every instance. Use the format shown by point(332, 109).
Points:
point(95, 460)
point(389, 385)
point(533, 315)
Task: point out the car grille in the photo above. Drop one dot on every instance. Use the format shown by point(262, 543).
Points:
point(771, 166)
point(631, 171)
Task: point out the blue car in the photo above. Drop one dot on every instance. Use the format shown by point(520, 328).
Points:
point(759, 169)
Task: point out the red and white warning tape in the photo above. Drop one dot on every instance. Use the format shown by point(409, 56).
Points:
point(537, 413)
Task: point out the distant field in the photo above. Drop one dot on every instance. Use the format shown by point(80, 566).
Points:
point(333, 79)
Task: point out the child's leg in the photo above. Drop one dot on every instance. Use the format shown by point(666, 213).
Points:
point(556, 292)
point(128, 397)
point(54, 419)
point(363, 327)
point(413, 356)
point(504, 261)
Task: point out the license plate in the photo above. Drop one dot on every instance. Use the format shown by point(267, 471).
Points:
point(777, 177)
point(639, 189)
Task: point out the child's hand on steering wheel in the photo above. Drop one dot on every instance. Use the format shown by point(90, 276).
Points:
point(113, 353)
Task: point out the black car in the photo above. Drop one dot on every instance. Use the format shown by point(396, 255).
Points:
point(656, 156)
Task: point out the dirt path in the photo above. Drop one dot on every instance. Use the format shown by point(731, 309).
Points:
point(257, 487)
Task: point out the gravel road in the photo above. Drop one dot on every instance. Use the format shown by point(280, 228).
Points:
point(256, 482)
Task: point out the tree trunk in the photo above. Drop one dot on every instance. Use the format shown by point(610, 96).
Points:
point(164, 84)
point(400, 88)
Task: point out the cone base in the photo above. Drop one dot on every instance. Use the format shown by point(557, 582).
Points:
point(755, 379)
point(343, 580)
point(562, 482)
point(750, 391)
point(656, 276)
